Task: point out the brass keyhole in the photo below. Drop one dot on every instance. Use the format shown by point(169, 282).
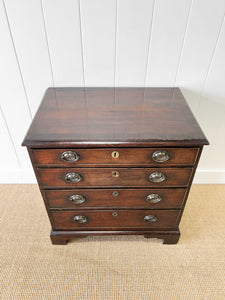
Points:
point(115, 154)
point(115, 174)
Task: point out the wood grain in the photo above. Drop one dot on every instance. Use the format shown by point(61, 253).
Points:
point(127, 156)
point(168, 236)
point(114, 189)
point(126, 198)
point(142, 116)
point(103, 177)
point(125, 218)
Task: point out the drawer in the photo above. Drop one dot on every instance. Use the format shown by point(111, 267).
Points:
point(76, 219)
point(116, 156)
point(106, 177)
point(112, 198)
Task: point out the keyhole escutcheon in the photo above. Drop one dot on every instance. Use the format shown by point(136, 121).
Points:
point(115, 154)
point(115, 174)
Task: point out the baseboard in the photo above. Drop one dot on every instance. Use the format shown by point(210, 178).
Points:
point(11, 176)
point(27, 176)
point(209, 177)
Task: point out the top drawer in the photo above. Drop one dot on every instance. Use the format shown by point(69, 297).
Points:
point(116, 156)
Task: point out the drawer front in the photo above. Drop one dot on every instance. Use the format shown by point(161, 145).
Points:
point(76, 219)
point(106, 177)
point(117, 156)
point(112, 198)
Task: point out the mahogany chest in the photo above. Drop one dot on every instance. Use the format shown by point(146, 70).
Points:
point(114, 160)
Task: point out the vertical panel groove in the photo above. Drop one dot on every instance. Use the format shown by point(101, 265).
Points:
point(17, 60)
point(183, 43)
point(211, 62)
point(115, 54)
point(149, 42)
point(98, 38)
point(47, 43)
point(82, 45)
point(11, 139)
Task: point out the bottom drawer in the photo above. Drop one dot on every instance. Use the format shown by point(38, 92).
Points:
point(78, 219)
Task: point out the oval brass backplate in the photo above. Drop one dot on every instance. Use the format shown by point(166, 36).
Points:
point(115, 174)
point(115, 154)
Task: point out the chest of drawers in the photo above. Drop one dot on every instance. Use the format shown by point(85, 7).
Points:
point(114, 160)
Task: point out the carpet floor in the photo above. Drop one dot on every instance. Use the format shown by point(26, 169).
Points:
point(111, 267)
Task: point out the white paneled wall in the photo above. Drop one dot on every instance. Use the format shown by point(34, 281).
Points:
point(167, 37)
point(134, 22)
point(111, 43)
point(63, 33)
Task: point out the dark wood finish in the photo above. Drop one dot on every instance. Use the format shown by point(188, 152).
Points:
point(127, 198)
point(94, 122)
point(136, 117)
point(62, 237)
point(30, 152)
point(102, 177)
point(58, 239)
point(125, 219)
point(168, 237)
point(127, 156)
point(190, 182)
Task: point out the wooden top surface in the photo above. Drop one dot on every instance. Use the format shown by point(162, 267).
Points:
point(137, 117)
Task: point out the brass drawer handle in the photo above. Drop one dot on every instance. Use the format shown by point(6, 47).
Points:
point(73, 177)
point(157, 177)
point(160, 156)
point(70, 156)
point(77, 199)
point(153, 198)
point(150, 218)
point(80, 219)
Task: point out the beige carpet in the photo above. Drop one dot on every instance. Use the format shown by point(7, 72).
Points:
point(124, 267)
